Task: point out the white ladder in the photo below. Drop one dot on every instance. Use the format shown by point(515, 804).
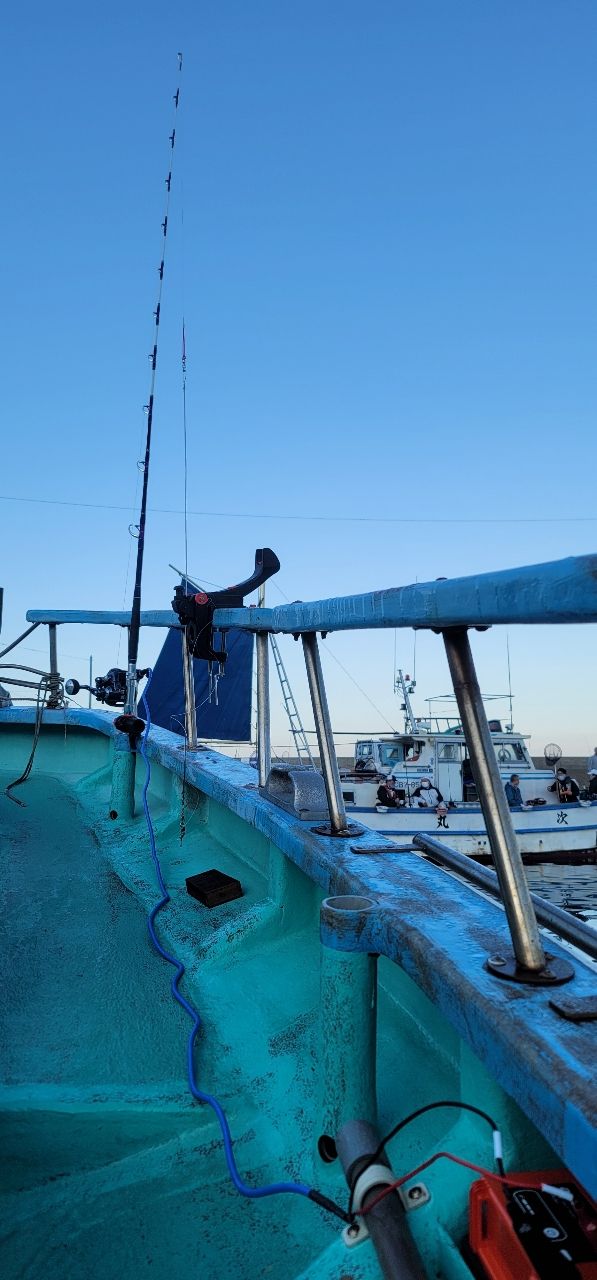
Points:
point(301, 745)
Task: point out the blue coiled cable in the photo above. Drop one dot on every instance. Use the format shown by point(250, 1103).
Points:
point(254, 1193)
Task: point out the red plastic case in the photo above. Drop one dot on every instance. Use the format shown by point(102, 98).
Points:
point(517, 1233)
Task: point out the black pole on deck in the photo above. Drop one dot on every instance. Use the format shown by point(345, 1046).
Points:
point(133, 643)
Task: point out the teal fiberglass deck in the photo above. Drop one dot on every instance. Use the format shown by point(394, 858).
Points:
point(113, 1170)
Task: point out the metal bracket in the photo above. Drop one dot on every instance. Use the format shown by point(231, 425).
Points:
point(414, 1197)
point(350, 830)
point(555, 971)
point(355, 1233)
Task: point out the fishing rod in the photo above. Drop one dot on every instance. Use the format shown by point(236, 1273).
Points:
point(132, 675)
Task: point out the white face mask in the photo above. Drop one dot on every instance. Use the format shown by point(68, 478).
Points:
point(426, 786)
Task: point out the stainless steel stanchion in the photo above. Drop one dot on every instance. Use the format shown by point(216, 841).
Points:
point(327, 754)
point(530, 959)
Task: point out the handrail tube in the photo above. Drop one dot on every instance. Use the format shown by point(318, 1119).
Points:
point(104, 617)
point(559, 591)
point(547, 913)
point(23, 684)
point(526, 941)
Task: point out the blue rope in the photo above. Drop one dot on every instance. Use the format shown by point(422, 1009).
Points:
point(254, 1193)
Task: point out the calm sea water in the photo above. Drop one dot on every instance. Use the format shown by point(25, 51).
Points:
point(574, 888)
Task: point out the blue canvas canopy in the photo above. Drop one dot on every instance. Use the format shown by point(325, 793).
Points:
point(230, 719)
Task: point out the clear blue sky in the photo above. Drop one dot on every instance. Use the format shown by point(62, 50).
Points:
point(388, 275)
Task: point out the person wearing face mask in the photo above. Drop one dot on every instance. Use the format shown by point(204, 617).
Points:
point(426, 796)
point(566, 788)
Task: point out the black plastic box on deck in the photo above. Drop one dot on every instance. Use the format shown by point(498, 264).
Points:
point(212, 888)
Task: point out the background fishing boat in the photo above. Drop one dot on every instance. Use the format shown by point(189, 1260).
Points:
point(433, 752)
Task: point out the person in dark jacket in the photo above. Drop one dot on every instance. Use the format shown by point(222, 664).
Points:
point(386, 794)
point(513, 793)
point(566, 788)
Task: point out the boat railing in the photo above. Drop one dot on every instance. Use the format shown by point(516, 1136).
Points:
point(555, 918)
point(558, 592)
point(49, 683)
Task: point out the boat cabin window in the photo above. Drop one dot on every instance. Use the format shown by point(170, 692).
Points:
point(364, 758)
point(390, 754)
point(510, 752)
point(449, 751)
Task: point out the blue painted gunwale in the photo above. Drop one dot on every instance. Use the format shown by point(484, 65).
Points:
point(558, 591)
point(439, 931)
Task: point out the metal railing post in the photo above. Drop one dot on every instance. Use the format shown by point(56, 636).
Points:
point(190, 715)
point(264, 753)
point(264, 746)
point(325, 740)
point(504, 844)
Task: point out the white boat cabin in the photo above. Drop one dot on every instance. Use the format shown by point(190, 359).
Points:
point(439, 756)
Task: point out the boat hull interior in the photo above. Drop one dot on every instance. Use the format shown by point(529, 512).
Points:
point(113, 1169)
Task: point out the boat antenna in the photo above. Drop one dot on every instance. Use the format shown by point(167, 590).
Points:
point(405, 687)
point(133, 646)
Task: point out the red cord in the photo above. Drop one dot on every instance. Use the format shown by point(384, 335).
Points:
point(447, 1155)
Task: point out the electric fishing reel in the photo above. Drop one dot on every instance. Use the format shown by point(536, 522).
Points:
point(196, 611)
point(110, 688)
